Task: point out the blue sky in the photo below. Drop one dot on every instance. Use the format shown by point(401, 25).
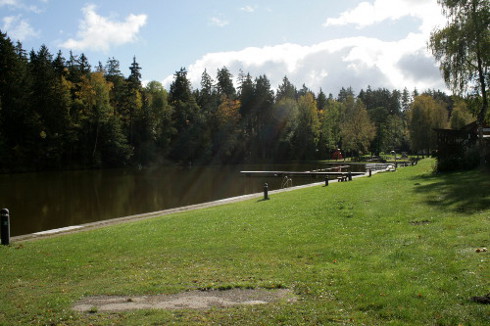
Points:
point(321, 43)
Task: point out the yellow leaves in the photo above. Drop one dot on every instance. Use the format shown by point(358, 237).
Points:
point(228, 112)
point(94, 93)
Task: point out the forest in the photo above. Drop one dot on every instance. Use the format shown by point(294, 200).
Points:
point(63, 113)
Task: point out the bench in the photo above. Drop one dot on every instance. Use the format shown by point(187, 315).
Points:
point(342, 178)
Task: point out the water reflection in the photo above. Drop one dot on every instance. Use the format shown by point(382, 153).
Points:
point(43, 201)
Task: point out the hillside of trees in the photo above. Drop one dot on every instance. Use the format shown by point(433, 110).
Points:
point(59, 113)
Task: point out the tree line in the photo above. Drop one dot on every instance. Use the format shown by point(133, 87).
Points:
point(58, 113)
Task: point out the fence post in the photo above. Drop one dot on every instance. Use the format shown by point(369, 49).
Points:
point(326, 180)
point(5, 226)
point(266, 191)
point(370, 172)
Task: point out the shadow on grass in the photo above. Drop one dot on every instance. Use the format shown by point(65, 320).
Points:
point(463, 192)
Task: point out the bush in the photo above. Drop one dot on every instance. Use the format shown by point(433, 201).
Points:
point(469, 159)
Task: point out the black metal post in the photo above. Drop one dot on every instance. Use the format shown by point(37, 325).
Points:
point(350, 175)
point(266, 191)
point(5, 226)
point(326, 180)
point(370, 172)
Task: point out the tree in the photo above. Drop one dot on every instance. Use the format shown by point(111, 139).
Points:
point(134, 78)
point(405, 100)
point(50, 99)
point(305, 90)
point(248, 114)
point(225, 83)
point(19, 123)
point(330, 119)
point(379, 116)
point(263, 101)
point(357, 130)
point(308, 128)
point(461, 48)
point(344, 94)
point(159, 117)
point(286, 90)
point(227, 145)
point(59, 65)
point(101, 138)
point(113, 75)
point(182, 100)
point(77, 67)
point(385, 111)
point(425, 115)
point(285, 120)
point(321, 100)
point(460, 115)
point(132, 104)
point(207, 97)
point(246, 96)
point(393, 133)
point(191, 142)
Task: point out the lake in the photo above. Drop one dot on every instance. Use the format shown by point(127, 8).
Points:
point(49, 200)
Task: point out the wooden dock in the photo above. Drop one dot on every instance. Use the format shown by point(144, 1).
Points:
point(304, 173)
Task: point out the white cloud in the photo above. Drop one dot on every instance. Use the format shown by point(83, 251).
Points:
point(220, 22)
point(18, 4)
point(8, 3)
point(13, 3)
point(18, 28)
point(370, 13)
point(354, 61)
point(100, 33)
point(248, 9)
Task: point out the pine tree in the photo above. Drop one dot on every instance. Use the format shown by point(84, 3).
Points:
point(225, 83)
point(131, 113)
point(134, 79)
point(50, 99)
point(113, 75)
point(264, 99)
point(190, 142)
point(19, 124)
point(406, 100)
point(321, 100)
point(286, 90)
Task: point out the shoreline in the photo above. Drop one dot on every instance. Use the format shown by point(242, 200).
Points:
point(149, 215)
point(145, 216)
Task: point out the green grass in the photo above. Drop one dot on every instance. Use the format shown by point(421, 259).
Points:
point(397, 249)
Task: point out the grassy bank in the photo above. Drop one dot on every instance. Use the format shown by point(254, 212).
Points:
point(397, 248)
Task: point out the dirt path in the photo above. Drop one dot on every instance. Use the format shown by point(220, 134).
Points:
point(186, 300)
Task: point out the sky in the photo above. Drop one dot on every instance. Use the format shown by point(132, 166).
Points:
point(323, 44)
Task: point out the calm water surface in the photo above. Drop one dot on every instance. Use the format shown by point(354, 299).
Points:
point(48, 200)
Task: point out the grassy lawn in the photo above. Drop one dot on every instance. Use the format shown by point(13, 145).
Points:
point(396, 248)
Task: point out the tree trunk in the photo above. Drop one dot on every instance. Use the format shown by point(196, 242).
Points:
point(483, 111)
point(96, 140)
